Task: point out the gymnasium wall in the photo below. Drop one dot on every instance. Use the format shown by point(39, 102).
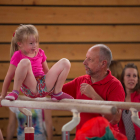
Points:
point(68, 28)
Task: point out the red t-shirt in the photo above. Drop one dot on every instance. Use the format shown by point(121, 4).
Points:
point(110, 89)
point(36, 62)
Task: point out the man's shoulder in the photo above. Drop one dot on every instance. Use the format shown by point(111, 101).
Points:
point(115, 80)
point(110, 79)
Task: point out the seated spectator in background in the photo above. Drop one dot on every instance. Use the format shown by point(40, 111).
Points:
point(130, 82)
point(116, 69)
point(37, 123)
point(98, 84)
point(1, 136)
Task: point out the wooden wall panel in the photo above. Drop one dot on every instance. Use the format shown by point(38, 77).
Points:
point(61, 113)
point(3, 127)
point(77, 69)
point(69, 15)
point(71, 2)
point(11, 86)
point(68, 28)
point(59, 122)
point(76, 52)
point(4, 112)
point(83, 33)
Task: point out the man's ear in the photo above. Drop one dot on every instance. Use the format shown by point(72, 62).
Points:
point(104, 63)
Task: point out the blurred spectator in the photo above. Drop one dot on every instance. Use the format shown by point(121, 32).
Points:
point(116, 69)
point(130, 82)
point(37, 123)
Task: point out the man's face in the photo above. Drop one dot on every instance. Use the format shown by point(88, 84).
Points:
point(92, 63)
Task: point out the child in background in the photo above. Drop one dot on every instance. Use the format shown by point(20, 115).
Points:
point(28, 65)
point(37, 122)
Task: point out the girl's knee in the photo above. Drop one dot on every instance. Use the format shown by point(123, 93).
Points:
point(24, 63)
point(66, 62)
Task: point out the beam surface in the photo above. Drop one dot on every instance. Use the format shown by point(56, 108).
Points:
point(119, 105)
point(53, 105)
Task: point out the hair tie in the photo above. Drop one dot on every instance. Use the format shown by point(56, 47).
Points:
point(13, 34)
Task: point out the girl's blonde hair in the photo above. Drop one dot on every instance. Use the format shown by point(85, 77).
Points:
point(21, 34)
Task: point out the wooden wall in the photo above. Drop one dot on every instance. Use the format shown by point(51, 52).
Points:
point(68, 28)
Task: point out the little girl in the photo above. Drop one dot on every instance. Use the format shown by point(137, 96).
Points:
point(28, 65)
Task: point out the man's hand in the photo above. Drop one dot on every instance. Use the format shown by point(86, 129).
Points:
point(89, 91)
point(113, 119)
point(116, 117)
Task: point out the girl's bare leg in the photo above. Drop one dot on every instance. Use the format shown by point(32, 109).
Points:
point(57, 75)
point(24, 74)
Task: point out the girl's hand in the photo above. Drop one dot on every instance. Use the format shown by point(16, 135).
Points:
point(1, 97)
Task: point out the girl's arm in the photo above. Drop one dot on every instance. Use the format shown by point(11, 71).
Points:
point(48, 122)
point(11, 126)
point(7, 80)
point(45, 67)
point(9, 76)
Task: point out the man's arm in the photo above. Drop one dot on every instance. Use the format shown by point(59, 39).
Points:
point(70, 88)
point(89, 91)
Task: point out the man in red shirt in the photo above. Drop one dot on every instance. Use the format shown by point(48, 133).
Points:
point(98, 84)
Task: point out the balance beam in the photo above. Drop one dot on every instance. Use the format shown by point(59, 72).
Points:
point(53, 105)
point(119, 105)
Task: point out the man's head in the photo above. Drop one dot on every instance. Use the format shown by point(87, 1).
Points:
point(98, 59)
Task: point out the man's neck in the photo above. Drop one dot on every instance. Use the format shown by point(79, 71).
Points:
point(98, 77)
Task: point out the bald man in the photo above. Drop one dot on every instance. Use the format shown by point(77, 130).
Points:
point(97, 84)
